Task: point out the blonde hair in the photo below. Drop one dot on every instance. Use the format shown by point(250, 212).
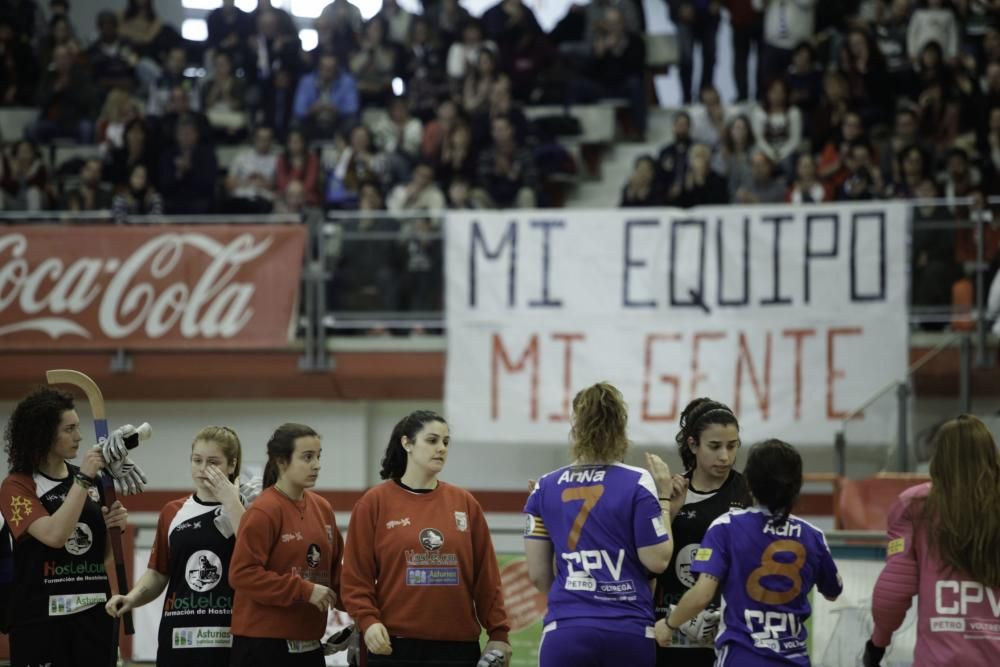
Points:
point(228, 442)
point(962, 511)
point(600, 418)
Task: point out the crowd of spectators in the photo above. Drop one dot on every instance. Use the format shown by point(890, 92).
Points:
point(851, 100)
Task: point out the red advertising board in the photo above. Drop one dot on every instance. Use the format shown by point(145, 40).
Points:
point(149, 287)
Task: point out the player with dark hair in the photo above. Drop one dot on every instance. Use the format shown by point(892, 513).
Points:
point(190, 559)
point(421, 578)
point(708, 442)
point(285, 568)
point(765, 561)
point(601, 521)
point(54, 513)
point(944, 547)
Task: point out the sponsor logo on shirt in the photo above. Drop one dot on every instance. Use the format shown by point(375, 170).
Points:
point(288, 537)
point(94, 495)
point(896, 546)
point(313, 555)
point(53, 569)
point(203, 571)
point(217, 637)
point(431, 539)
point(658, 526)
point(175, 605)
point(389, 525)
point(703, 554)
point(329, 532)
point(20, 507)
point(461, 521)
point(682, 565)
point(81, 540)
point(63, 605)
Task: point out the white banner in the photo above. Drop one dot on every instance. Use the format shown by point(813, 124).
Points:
point(792, 316)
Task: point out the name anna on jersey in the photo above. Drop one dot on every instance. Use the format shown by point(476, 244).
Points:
point(581, 476)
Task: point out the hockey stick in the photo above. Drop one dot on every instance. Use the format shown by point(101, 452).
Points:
point(96, 400)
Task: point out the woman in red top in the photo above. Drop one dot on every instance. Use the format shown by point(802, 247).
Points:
point(416, 544)
point(299, 163)
point(285, 569)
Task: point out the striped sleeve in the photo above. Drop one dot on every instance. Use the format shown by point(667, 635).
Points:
point(534, 528)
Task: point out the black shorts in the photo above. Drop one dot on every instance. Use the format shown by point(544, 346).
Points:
point(412, 652)
point(685, 657)
point(266, 652)
point(83, 639)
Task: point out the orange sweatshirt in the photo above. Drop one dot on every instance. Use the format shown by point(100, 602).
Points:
point(283, 548)
point(423, 565)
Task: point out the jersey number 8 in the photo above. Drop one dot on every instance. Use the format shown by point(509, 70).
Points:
point(770, 566)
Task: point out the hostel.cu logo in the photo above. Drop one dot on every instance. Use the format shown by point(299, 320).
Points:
point(19, 504)
point(431, 539)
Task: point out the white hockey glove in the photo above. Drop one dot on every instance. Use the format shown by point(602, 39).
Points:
point(251, 488)
point(342, 641)
point(128, 477)
point(702, 628)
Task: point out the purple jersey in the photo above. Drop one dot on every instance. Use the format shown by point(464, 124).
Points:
point(597, 517)
point(765, 574)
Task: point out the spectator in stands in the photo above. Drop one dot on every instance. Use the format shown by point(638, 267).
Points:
point(787, 23)
point(114, 63)
point(733, 159)
point(832, 163)
point(423, 69)
point(940, 112)
point(293, 199)
point(478, 84)
point(282, 21)
point(616, 69)
point(696, 22)
point(933, 21)
point(396, 20)
point(143, 29)
point(299, 164)
point(178, 106)
point(765, 187)
point(375, 64)
point(463, 56)
point(868, 82)
point(118, 111)
point(137, 149)
point(66, 101)
point(339, 26)
point(501, 103)
point(420, 194)
point(89, 194)
point(640, 189)
point(807, 188)
point(530, 62)
point(60, 33)
point(398, 131)
point(746, 23)
point(934, 265)
point(229, 30)
point(833, 108)
point(701, 186)
point(26, 17)
point(171, 77)
point(904, 134)
point(507, 174)
point(223, 98)
point(458, 157)
point(505, 22)
point(960, 178)
point(436, 131)
point(23, 179)
point(459, 195)
point(911, 169)
point(188, 171)
point(890, 36)
point(365, 277)
point(864, 178)
point(708, 119)
point(989, 149)
point(252, 178)
point(805, 84)
point(326, 101)
point(777, 126)
point(18, 67)
point(277, 46)
point(137, 198)
point(354, 164)
point(672, 162)
point(449, 18)
point(278, 104)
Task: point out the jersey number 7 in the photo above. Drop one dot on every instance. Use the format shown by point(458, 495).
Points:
point(589, 495)
point(770, 566)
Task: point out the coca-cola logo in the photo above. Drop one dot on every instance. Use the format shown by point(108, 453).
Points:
point(138, 294)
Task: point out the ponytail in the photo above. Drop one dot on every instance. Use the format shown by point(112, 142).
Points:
point(774, 473)
point(394, 460)
point(600, 419)
point(280, 447)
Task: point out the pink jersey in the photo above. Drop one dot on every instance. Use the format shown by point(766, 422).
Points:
point(958, 620)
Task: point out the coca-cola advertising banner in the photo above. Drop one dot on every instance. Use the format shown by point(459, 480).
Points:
point(155, 287)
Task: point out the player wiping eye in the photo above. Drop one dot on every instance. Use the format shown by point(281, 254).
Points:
point(765, 561)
